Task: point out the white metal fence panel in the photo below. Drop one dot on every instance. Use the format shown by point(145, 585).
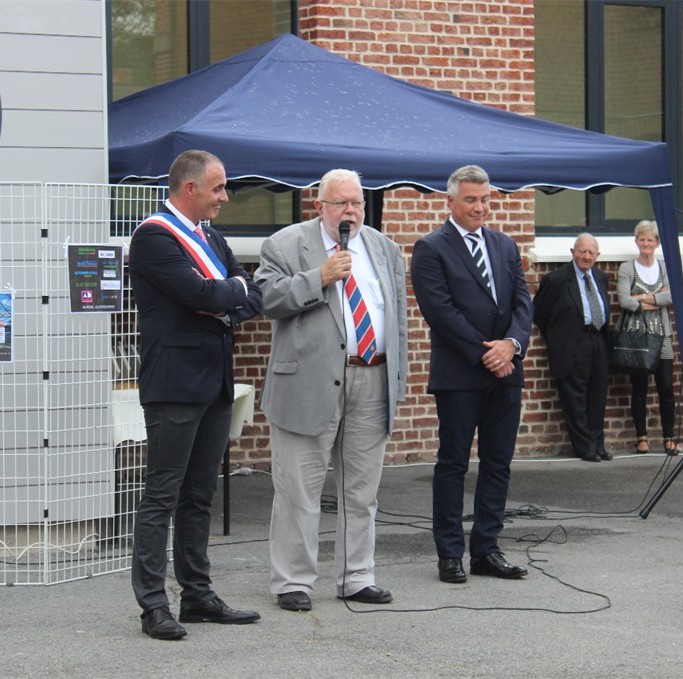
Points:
point(73, 438)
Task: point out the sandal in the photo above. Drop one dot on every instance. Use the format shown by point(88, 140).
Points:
point(670, 447)
point(642, 446)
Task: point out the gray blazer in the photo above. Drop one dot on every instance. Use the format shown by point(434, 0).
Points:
point(625, 279)
point(308, 355)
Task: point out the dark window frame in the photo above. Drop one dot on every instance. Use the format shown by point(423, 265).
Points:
point(672, 105)
point(199, 56)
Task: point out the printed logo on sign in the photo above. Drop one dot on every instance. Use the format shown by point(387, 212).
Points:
point(86, 296)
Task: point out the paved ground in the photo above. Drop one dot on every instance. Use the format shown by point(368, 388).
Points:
point(603, 598)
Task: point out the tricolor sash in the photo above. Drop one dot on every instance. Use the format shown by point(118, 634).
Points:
point(199, 252)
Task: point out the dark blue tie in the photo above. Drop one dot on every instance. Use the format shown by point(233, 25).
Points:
point(478, 255)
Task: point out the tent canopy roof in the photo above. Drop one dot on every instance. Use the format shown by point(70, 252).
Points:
point(286, 112)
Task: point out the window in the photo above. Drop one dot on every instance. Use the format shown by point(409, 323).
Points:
point(560, 94)
point(259, 21)
point(608, 66)
point(152, 42)
point(632, 93)
point(148, 44)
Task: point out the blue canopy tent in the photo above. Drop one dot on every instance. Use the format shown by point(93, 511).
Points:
point(280, 115)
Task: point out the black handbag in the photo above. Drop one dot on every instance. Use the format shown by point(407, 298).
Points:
point(635, 350)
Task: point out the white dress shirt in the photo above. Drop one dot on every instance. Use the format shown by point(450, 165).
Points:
point(489, 270)
point(369, 285)
point(485, 252)
point(587, 318)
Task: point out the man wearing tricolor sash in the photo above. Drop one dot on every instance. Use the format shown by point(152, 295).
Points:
point(191, 292)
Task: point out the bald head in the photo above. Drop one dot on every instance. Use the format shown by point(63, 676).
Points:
point(585, 251)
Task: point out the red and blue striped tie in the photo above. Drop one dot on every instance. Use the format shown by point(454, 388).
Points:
point(365, 334)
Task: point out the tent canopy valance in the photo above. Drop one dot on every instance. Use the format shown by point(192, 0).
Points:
point(287, 111)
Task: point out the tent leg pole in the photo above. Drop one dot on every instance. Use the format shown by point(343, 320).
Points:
point(226, 490)
point(662, 489)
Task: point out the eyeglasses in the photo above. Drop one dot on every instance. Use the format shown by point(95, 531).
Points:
point(355, 204)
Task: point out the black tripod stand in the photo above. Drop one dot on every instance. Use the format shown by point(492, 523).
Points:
point(645, 511)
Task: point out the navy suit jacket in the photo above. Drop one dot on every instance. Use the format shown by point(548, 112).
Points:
point(185, 356)
point(559, 315)
point(461, 312)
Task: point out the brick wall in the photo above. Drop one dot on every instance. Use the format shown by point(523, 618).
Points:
point(480, 51)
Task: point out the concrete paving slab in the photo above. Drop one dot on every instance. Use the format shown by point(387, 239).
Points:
point(603, 597)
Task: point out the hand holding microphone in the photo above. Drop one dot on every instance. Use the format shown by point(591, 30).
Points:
point(338, 266)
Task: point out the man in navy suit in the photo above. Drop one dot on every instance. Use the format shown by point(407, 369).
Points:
point(191, 292)
point(575, 332)
point(470, 287)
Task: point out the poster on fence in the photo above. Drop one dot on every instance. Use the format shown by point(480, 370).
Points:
point(96, 278)
point(6, 323)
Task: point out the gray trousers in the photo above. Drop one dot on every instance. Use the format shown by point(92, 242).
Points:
point(355, 442)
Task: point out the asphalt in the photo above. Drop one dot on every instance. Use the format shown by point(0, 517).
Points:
point(602, 599)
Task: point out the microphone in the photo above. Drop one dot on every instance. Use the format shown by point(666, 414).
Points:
point(344, 233)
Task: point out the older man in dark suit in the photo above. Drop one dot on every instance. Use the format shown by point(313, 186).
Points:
point(571, 311)
point(470, 287)
point(191, 292)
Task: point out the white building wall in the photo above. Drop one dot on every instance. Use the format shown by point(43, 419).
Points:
point(53, 91)
point(52, 130)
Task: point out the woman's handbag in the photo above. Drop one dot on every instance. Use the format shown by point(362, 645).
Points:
point(635, 349)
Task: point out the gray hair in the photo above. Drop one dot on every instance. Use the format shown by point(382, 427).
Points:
point(338, 175)
point(590, 236)
point(189, 166)
point(646, 226)
point(471, 174)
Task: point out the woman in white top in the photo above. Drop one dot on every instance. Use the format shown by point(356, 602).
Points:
point(643, 283)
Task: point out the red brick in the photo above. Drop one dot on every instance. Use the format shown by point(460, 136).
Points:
point(479, 51)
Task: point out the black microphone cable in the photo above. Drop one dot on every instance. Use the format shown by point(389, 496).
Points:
point(344, 229)
point(344, 232)
point(341, 506)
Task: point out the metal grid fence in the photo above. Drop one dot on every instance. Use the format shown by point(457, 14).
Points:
point(72, 438)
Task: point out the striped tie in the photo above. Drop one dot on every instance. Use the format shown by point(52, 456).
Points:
point(365, 334)
point(478, 255)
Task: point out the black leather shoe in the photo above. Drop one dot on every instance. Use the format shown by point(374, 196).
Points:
point(495, 564)
point(215, 610)
point(294, 601)
point(604, 455)
point(371, 595)
point(451, 570)
point(159, 623)
point(591, 457)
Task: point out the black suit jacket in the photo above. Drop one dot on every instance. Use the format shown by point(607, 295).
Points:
point(186, 356)
point(558, 313)
point(460, 311)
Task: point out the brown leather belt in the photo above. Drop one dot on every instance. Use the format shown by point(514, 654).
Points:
point(360, 363)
